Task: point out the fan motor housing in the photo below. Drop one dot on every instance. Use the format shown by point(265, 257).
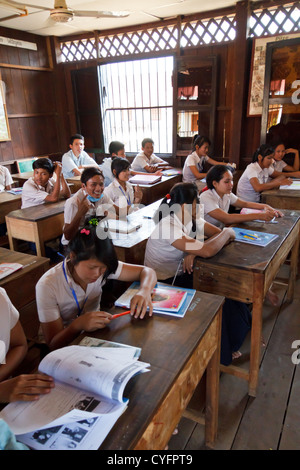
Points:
point(61, 15)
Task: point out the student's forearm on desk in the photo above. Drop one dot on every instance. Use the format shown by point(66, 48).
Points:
point(65, 188)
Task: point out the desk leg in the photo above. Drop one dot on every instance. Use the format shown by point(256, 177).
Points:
point(256, 333)
point(293, 270)
point(212, 391)
point(39, 243)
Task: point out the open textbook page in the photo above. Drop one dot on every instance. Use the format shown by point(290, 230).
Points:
point(89, 381)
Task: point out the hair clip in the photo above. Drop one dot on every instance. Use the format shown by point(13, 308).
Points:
point(87, 232)
point(168, 196)
point(94, 221)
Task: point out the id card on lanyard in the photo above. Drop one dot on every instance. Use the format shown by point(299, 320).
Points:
point(124, 194)
point(80, 309)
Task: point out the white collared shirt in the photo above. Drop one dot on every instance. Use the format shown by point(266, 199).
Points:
point(193, 160)
point(120, 196)
point(279, 165)
point(95, 209)
point(69, 162)
point(141, 160)
point(212, 201)
point(9, 317)
point(245, 189)
point(33, 194)
point(5, 178)
point(55, 300)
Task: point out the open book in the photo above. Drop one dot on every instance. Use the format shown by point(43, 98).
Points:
point(253, 237)
point(120, 226)
point(144, 179)
point(8, 268)
point(84, 405)
point(166, 299)
point(294, 186)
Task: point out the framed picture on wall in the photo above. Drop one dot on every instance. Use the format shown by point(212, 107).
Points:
point(4, 126)
point(257, 74)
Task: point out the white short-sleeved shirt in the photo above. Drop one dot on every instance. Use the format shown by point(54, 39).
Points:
point(193, 160)
point(69, 162)
point(160, 254)
point(96, 209)
point(9, 317)
point(212, 201)
point(55, 299)
point(33, 194)
point(245, 189)
point(118, 195)
point(5, 178)
point(141, 160)
point(105, 167)
point(279, 165)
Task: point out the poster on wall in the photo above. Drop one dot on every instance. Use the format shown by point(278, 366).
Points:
point(257, 75)
point(4, 127)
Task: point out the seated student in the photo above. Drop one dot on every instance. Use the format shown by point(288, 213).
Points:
point(171, 250)
point(280, 165)
point(218, 198)
point(146, 161)
point(42, 187)
point(120, 191)
point(69, 294)
point(76, 159)
point(193, 166)
point(89, 201)
point(255, 178)
point(13, 344)
point(116, 149)
point(5, 179)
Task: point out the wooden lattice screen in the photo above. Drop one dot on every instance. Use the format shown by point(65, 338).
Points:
point(263, 22)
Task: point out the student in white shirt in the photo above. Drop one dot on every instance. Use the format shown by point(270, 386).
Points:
point(171, 250)
point(120, 191)
point(46, 185)
point(69, 294)
point(5, 179)
point(76, 159)
point(255, 178)
point(13, 349)
point(218, 198)
point(280, 165)
point(89, 201)
point(146, 161)
point(193, 169)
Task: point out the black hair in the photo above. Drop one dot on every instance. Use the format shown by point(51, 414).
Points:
point(264, 150)
point(147, 140)
point(181, 193)
point(115, 146)
point(215, 173)
point(200, 140)
point(89, 172)
point(87, 244)
point(119, 164)
point(76, 136)
point(44, 163)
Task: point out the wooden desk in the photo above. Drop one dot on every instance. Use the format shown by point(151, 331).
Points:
point(130, 248)
point(21, 178)
point(153, 192)
point(20, 286)
point(179, 351)
point(245, 273)
point(36, 224)
point(282, 198)
point(74, 183)
point(8, 202)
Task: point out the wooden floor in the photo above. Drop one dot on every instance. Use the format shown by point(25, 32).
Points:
point(271, 421)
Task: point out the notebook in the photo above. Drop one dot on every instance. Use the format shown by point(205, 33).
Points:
point(144, 179)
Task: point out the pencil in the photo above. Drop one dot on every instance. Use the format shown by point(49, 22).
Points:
point(120, 314)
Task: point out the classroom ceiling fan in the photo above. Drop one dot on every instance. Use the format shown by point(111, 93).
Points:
point(61, 13)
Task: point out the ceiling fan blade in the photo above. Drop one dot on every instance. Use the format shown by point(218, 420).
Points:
point(101, 14)
point(24, 5)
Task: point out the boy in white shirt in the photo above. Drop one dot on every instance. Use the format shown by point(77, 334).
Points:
point(76, 159)
point(42, 187)
point(5, 179)
point(146, 161)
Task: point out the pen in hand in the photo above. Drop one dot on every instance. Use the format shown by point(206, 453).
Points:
point(120, 314)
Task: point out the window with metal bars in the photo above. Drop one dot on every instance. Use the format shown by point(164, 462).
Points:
point(136, 99)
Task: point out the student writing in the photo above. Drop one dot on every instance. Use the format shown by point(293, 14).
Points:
point(69, 294)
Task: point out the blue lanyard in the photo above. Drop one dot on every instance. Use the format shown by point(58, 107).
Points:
point(124, 194)
point(73, 292)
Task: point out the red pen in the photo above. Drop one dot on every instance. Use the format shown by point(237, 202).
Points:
point(120, 314)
